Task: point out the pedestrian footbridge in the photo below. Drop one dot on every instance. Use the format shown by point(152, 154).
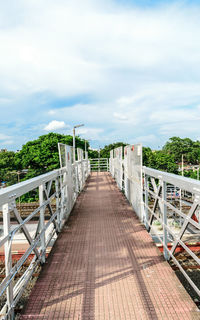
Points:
point(103, 263)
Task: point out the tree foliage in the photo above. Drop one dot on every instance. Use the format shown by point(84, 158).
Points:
point(7, 160)
point(188, 148)
point(159, 160)
point(92, 154)
point(41, 155)
point(105, 152)
point(38, 156)
point(8, 167)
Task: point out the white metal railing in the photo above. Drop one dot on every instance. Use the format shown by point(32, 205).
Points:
point(59, 187)
point(147, 190)
point(99, 164)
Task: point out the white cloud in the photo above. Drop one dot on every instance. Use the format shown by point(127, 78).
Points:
point(84, 47)
point(145, 139)
point(120, 116)
point(55, 125)
point(52, 112)
point(4, 136)
point(138, 67)
point(8, 142)
point(91, 133)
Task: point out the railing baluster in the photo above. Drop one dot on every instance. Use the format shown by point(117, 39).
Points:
point(68, 181)
point(146, 195)
point(8, 257)
point(42, 222)
point(58, 203)
point(164, 218)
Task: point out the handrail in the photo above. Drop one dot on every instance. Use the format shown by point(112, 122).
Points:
point(147, 190)
point(60, 186)
point(17, 190)
point(188, 184)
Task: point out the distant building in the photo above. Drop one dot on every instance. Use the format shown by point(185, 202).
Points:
point(3, 150)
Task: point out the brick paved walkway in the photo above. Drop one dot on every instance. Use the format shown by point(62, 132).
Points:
point(104, 265)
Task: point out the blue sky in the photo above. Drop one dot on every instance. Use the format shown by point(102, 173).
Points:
point(129, 70)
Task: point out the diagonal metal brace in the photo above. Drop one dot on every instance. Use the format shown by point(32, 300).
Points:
point(184, 226)
point(51, 211)
point(25, 230)
point(154, 207)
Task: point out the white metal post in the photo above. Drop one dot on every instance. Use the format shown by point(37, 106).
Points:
point(57, 202)
point(8, 256)
point(146, 194)
point(74, 146)
point(164, 213)
point(42, 222)
point(65, 199)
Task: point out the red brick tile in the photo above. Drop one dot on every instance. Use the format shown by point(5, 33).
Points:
point(104, 266)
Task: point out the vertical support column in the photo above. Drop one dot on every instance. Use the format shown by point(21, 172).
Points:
point(164, 213)
point(8, 257)
point(66, 196)
point(82, 174)
point(42, 222)
point(57, 203)
point(146, 199)
point(77, 178)
point(107, 164)
point(70, 187)
point(62, 191)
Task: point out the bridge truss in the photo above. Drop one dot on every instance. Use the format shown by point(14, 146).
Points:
point(59, 188)
point(148, 192)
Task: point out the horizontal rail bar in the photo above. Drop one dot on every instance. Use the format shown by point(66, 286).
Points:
point(17, 190)
point(63, 185)
point(187, 184)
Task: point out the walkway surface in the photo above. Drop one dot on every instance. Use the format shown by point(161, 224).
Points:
point(104, 265)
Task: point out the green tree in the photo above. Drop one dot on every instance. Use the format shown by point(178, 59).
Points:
point(7, 160)
point(8, 167)
point(41, 155)
point(165, 162)
point(105, 152)
point(186, 147)
point(92, 154)
point(147, 156)
point(159, 160)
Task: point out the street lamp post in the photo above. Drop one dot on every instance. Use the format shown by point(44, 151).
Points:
point(74, 143)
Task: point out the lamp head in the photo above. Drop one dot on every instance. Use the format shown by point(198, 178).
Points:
point(79, 125)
